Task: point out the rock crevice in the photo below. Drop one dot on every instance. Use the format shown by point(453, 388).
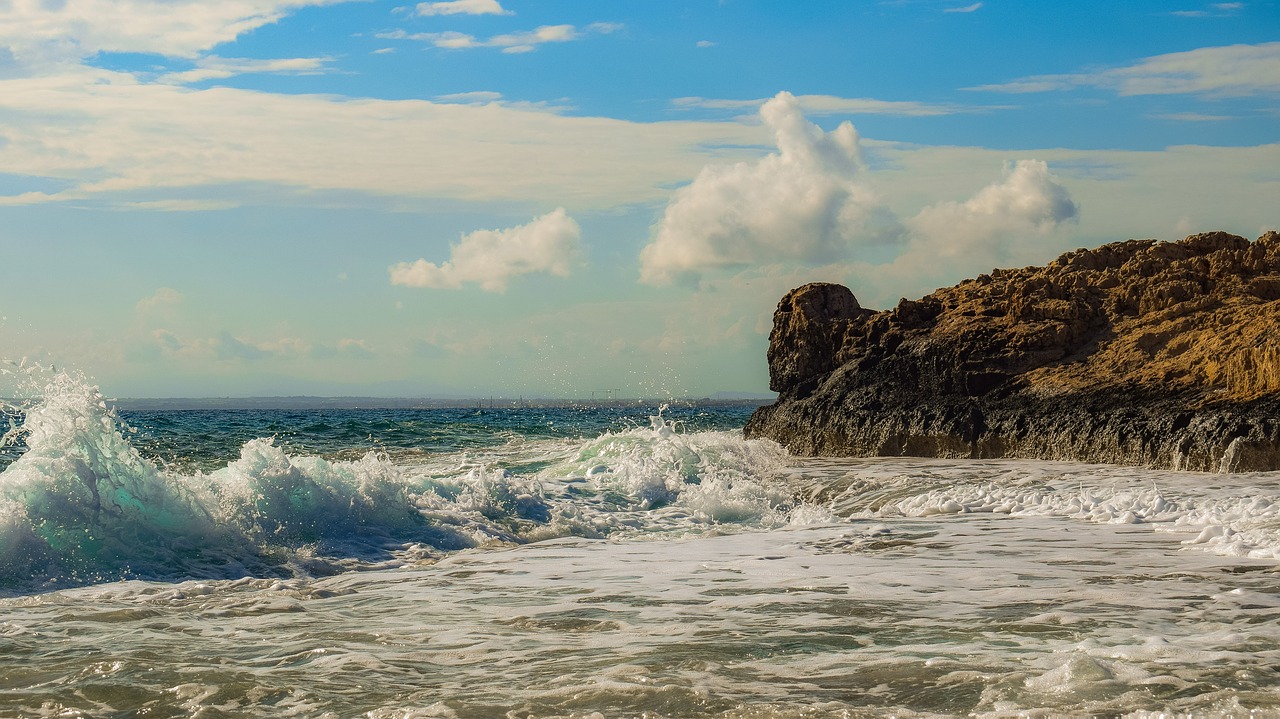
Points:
point(1162, 354)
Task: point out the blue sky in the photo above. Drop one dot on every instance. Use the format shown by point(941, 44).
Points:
point(482, 197)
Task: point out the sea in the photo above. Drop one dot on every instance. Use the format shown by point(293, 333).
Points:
point(628, 560)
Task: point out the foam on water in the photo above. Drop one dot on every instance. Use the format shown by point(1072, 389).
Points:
point(1233, 515)
point(716, 476)
point(984, 615)
point(83, 506)
point(765, 585)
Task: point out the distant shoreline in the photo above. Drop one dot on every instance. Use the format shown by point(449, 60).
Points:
point(142, 404)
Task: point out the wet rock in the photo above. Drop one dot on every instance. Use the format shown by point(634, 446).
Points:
point(1138, 352)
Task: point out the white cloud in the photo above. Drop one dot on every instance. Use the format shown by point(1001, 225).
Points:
point(216, 68)
point(163, 299)
point(810, 204)
point(462, 7)
point(1028, 201)
point(1121, 195)
point(107, 135)
point(1221, 9)
point(1230, 71)
point(706, 43)
point(358, 348)
point(478, 97)
point(822, 105)
point(347, 347)
point(491, 258)
point(803, 203)
point(968, 8)
point(172, 205)
point(1192, 117)
point(225, 346)
point(38, 32)
point(510, 43)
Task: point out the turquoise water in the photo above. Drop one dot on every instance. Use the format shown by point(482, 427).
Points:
point(206, 438)
point(606, 562)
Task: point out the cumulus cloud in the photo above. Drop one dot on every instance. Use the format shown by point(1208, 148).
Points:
point(491, 258)
point(1230, 71)
point(809, 205)
point(1029, 200)
point(462, 7)
point(803, 203)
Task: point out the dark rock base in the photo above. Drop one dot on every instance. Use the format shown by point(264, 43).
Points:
point(1162, 433)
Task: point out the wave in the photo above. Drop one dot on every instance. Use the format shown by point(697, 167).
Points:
point(82, 505)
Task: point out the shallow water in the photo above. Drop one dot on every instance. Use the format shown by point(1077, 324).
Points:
point(621, 570)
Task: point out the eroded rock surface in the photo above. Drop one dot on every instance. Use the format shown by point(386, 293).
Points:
point(1163, 354)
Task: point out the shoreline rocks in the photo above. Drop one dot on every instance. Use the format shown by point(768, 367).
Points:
point(1162, 354)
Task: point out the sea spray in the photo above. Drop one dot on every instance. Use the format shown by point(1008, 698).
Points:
point(82, 505)
point(718, 476)
point(276, 497)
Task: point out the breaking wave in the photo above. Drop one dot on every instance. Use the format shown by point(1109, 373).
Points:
point(82, 505)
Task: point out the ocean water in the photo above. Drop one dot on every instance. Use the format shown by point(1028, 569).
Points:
point(607, 562)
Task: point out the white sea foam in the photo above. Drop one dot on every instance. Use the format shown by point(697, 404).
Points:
point(644, 572)
point(82, 505)
point(1231, 514)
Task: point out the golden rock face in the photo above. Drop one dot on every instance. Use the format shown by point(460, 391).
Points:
point(1188, 326)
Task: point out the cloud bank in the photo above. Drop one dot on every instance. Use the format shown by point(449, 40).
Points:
point(811, 204)
point(105, 136)
point(492, 258)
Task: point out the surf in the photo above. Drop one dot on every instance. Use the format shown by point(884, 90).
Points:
point(82, 505)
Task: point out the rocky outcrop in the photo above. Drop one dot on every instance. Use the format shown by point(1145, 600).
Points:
point(1165, 354)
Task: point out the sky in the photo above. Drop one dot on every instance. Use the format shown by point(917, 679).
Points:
point(552, 198)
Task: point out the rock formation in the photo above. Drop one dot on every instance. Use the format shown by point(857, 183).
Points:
point(1164, 354)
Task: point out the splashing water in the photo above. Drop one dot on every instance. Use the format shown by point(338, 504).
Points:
point(646, 570)
point(82, 505)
